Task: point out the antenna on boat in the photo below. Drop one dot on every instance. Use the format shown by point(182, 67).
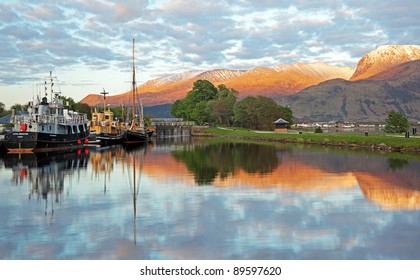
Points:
point(104, 93)
point(51, 82)
point(52, 85)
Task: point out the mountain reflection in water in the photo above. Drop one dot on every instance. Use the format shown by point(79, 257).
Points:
point(210, 200)
point(390, 182)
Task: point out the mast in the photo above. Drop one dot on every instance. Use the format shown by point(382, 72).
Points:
point(104, 93)
point(133, 100)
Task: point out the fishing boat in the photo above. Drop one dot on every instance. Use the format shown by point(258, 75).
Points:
point(47, 126)
point(104, 128)
point(136, 132)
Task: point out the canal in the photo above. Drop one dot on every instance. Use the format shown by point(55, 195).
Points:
point(210, 199)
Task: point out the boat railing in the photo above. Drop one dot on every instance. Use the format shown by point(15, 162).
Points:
point(70, 119)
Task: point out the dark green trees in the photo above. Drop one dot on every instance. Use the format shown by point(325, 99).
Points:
point(221, 108)
point(396, 122)
point(2, 109)
point(207, 104)
point(259, 112)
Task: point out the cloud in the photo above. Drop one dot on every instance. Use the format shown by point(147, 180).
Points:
point(180, 35)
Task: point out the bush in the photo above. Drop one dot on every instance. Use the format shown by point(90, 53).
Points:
point(396, 122)
point(318, 129)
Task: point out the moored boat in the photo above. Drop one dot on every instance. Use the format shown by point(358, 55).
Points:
point(48, 125)
point(136, 133)
point(107, 130)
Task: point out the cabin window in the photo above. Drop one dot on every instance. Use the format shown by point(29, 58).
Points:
point(68, 130)
point(50, 128)
point(74, 129)
point(42, 128)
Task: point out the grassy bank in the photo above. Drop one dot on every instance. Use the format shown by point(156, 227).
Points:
point(375, 141)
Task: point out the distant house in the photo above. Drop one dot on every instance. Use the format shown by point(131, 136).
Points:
point(281, 125)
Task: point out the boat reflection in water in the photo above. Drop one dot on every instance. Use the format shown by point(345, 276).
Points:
point(211, 199)
point(131, 160)
point(45, 173)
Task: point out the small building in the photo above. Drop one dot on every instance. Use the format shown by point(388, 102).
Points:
point(280, 125)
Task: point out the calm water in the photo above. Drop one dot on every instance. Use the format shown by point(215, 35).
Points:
point(210, 200)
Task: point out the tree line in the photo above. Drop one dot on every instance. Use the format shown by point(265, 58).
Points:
point(206, 103)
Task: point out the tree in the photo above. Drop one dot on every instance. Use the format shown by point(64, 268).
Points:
point(194, 107)
point(287, 115)
point(259, 113)
point(242, 112)
point(68, 101)
point(178, 109)
point(221, 109)
point(396, 122)
point(20, 107)
point(2, 109)
point(83, 108)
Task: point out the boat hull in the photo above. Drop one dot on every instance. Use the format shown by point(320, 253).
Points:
point(135, 138)
point(22, 142)
point(108, 139)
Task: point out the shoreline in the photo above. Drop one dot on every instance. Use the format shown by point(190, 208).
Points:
point(374, 142)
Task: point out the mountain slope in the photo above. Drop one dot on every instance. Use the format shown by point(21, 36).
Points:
point(273, 82)
point(383, 58)
point(284, 80)
point(397, 88)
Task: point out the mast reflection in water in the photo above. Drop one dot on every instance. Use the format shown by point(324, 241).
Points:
point(207, 199)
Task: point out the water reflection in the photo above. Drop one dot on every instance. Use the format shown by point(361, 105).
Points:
point(45, 174)
point(224, 159)
point(253, 202)
point(390, 181)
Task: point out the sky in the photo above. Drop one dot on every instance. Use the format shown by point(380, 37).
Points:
point(88, 43)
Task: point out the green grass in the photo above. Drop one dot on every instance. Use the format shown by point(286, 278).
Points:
point(351, 139)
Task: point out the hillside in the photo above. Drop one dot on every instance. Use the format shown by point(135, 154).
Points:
point(385, 79)
point(397, 88)
point(274, 82)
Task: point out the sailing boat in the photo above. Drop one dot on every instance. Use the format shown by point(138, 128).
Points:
point(136, 133)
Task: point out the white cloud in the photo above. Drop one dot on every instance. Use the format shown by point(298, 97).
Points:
point(180, 35)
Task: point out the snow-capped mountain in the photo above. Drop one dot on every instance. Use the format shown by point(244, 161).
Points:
point(383, 58)
point(276, 82)
point(172, 78)
point(219, 75)
point(367, 100)
point(317, 69)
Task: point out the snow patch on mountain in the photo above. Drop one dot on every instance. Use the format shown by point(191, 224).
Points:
point(383, 58)
point(220, 75)
point(317, 69)
point(173, 78)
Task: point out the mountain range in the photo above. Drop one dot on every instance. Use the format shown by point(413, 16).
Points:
point(385, 79)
